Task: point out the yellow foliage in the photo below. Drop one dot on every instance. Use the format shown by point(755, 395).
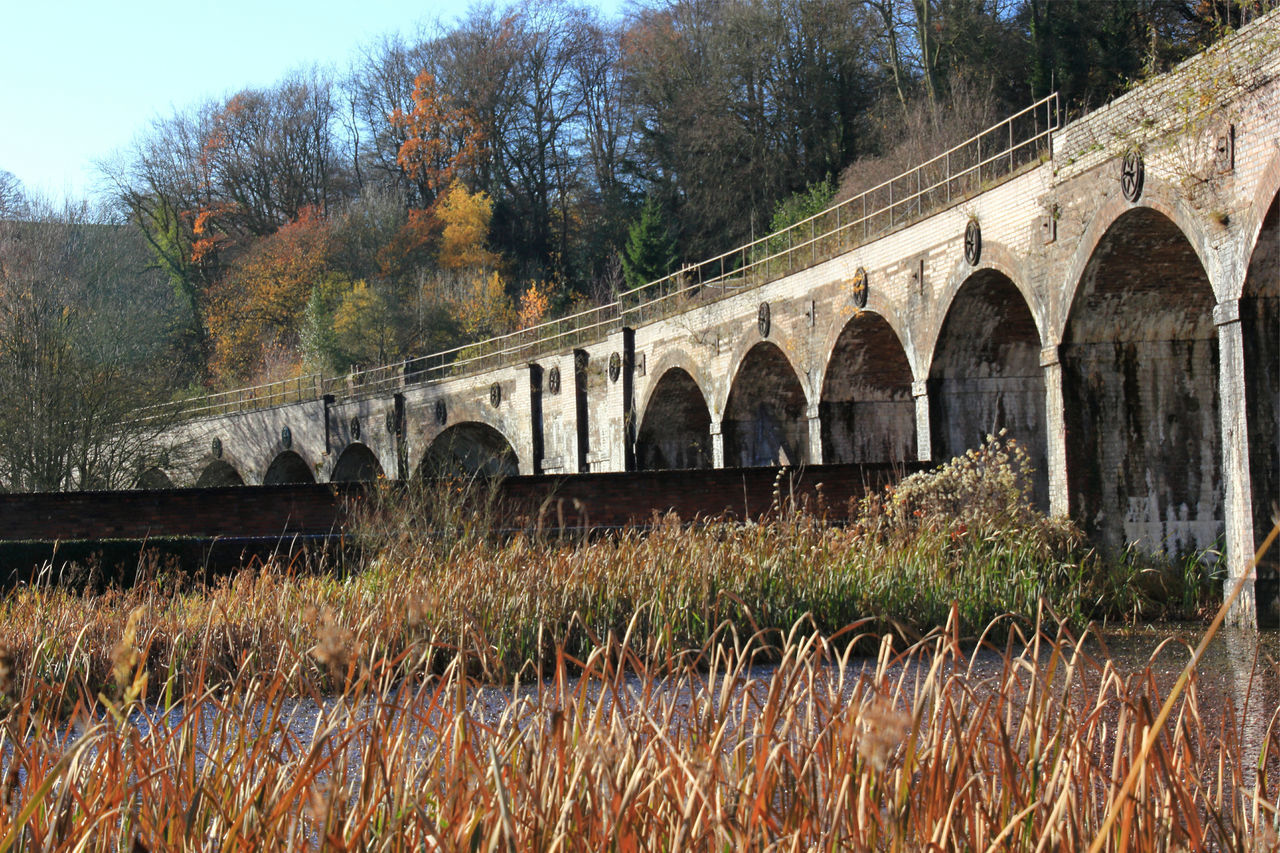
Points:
point(363, 327)
point(466, 217)
point(534, 304)
point(482, 306)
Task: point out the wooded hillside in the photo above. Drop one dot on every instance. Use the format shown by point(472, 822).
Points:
point(528, 159)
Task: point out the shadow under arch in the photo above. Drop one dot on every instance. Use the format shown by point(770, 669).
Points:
point(219, 473)
point(356, 464)
point(675, 431)
point(985, 375)
point(764, 417)
point(1140, 391)
point(288, 467)
point(868, 413)
point(154, 478)
point(1260, 330)
point(1158, 200)
point(469, 449)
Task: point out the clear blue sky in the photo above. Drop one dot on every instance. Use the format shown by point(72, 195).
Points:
point(80, 79)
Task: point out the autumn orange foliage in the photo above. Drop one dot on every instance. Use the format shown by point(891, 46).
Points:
point(261, 300)
point(441, 139)
point(534, 304)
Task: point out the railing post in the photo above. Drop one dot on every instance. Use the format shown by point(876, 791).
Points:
point(1011, 146)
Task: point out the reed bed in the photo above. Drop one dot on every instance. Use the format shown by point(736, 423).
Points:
point(925, 746)
point(432, 570)
point(688, 687)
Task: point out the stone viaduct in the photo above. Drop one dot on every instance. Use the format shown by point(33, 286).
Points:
point(1107, 291)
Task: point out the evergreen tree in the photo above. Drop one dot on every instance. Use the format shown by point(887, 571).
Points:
point(650, 251)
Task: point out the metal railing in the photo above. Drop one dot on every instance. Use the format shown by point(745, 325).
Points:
point(565, 333)
point(300, 389)
point(961, 172)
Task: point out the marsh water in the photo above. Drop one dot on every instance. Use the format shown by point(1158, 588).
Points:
point(1237, 687)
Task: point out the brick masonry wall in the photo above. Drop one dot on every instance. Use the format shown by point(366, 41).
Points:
point(321, 509)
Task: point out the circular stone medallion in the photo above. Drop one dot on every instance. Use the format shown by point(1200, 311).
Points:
point(495, 395)
point(355, 429)
point(216, 448)
point(286, 437)
point(973, 242)
point(764, 319)
point(553, 380)
point(858, 287)
point(1132, 175)
point(442, 412)
point(615, 367)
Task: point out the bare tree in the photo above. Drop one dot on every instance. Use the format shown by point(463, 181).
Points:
point(81, 332)
point(12, 197)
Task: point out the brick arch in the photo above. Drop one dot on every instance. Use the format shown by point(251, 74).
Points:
point(678, 358)
point(744, 346)
point(468, 448)
point(229, 459)
point(357, 463)
point(1264, 195)
point(459, 411)
point(289, 466)
point(675, 429)
point(877, 305)
point(1157, 196)
point(984, 371)
point(1260, 335)
point(867, 409)
point(997, 258)
point(154, 477)
point(1140, 378)
point(765, 414)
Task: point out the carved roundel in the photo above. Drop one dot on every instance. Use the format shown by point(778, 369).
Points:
point(764, 319)
point(216, 448)
point(615, 366)
point(391, 423)
point(973, 242)
point(553, 380)
point(1132, 174)
point(495, 395)
point(858, 288)
point(286, 437)
point(355, 429)
point(442, 412)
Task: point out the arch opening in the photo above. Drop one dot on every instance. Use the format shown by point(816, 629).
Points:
point(1260, 328)
point(986, 376)
point(764, 418)
point(1140, 391)
point(218, 473)
point(356, 464)
point(288, 467)
point(676, 429)
point(469, 449)
point(868, 413)
point(154, 478)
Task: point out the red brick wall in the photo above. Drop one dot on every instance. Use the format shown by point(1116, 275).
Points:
point(268, 511)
